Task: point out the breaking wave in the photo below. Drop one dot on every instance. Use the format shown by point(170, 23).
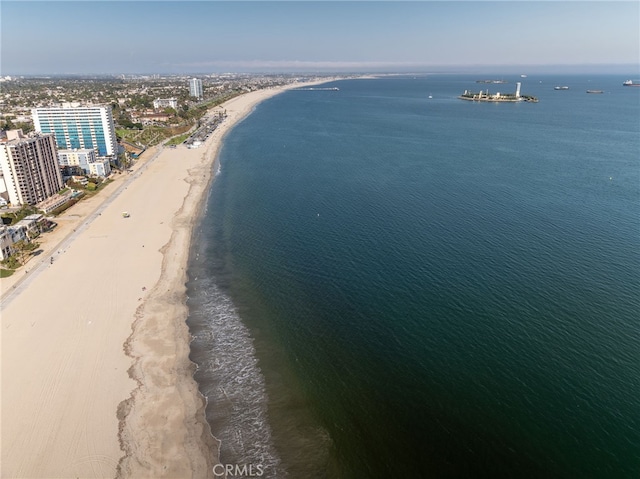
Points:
point(230, 379)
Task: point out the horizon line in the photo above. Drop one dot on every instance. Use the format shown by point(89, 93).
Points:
point(262, 69)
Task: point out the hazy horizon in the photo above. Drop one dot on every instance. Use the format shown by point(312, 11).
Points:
point(176, 37)
point(597, 69)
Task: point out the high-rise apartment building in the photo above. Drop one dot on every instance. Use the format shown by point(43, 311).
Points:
point(195, 87)
point(81, 127)
point(29, 167)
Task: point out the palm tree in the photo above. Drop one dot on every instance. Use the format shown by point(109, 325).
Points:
point(21, 248)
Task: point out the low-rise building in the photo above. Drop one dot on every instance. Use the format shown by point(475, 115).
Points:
point(165, 103)
point(81, 180)
point(26, 229)
point(31, 225)
point(85, 159)
point(55, 201)
point(77, 157)
point(5, 243)
point(100, 167)
point(69, 171)
point(18, 232)
point(147, 119)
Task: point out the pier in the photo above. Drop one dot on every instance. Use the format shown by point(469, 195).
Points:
point(317, 89)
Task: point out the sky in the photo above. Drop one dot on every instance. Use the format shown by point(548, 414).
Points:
point(118, 37)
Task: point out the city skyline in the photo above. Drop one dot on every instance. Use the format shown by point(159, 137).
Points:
point(202, 36)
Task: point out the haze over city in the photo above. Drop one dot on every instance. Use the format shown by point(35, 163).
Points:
point(207, 36)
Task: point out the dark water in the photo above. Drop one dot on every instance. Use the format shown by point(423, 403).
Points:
point(390, 285)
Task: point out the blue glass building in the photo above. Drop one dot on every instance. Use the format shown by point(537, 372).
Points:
point(82, 127)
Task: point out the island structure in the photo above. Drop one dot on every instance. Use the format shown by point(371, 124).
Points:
point(498, 97)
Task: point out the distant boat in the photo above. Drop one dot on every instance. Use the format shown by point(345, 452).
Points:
point(430, 96)
point(523, 76)
point(631, 83)
point(595, 91)
point(560, 87)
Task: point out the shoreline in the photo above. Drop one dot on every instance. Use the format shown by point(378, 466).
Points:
point(105, 385)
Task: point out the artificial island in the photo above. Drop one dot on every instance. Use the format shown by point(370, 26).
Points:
point(498, 97)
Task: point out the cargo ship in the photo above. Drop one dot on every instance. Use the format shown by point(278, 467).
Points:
point(631, 83)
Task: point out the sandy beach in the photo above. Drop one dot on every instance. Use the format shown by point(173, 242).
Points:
point(96, 378)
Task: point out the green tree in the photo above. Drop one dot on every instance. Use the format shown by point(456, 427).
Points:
point(8, 125)
point(25, 127)
point(11, 262)
point(20, 247)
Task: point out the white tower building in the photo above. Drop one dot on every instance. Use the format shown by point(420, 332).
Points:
point(195, 87)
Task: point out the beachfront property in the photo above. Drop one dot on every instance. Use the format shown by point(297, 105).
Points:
point(80, 157)
point(57, 200)
point(10, 235)
point(85, 159)
point(69, 171)
point(18, 233)
point(79, 127)
point(29, 167)
point(32, 225)
point(5, 243)
point(100, 167)
point(195, 87)
point(165, 103)
point(80, 180)
point(24, 230)
point(147, 119)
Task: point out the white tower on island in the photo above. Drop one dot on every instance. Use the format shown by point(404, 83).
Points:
point(518, 89)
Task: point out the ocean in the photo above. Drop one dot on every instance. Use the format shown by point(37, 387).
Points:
point(392, 282)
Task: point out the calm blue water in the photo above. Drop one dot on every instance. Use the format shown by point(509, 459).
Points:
point(390, 285)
